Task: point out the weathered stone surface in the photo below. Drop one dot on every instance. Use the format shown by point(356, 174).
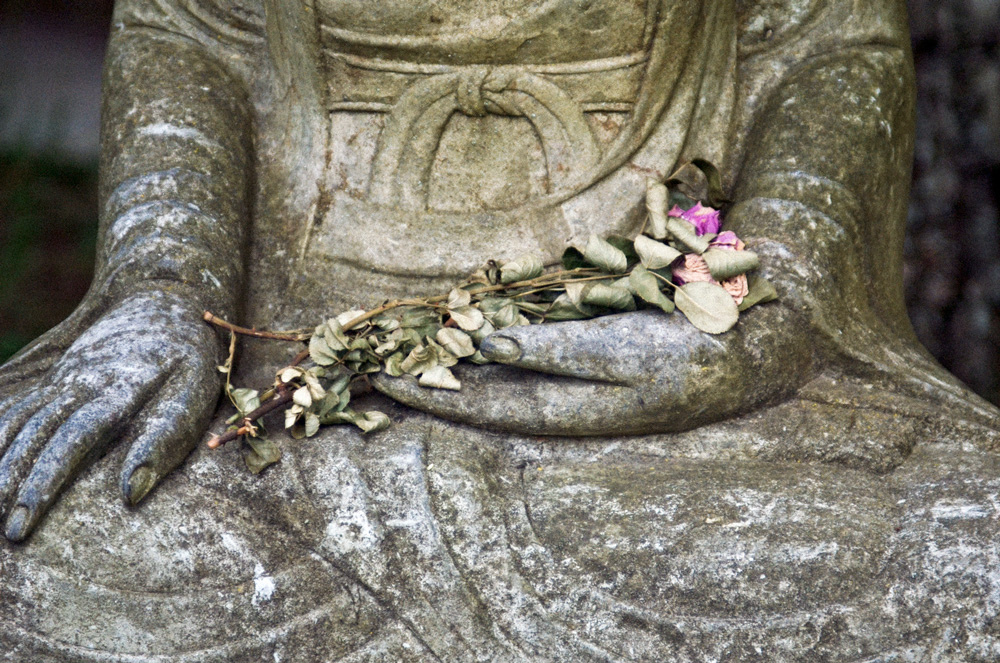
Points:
point(442, 542)
point(811, 486)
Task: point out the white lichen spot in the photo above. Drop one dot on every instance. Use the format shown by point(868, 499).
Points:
point(167, 130)
point(958, 511)
point(233, 545)
point(263, 586)
point(209, 277)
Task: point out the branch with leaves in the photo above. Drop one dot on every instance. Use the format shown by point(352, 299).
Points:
point(680, 260)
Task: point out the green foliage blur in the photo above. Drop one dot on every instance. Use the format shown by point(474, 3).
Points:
point(48, 232)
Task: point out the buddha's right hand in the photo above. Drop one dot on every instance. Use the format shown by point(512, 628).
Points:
point(142, 372)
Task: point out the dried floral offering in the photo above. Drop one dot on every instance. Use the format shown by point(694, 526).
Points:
point(680, 260)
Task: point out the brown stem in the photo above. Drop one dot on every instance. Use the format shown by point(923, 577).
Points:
point(208, 316)
point(301, 357)
point(544, 280)
point(265, 409)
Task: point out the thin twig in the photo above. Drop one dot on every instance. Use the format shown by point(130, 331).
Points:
point(210, 317)
point(265, 409)
point(301, 357)
point(554, 278)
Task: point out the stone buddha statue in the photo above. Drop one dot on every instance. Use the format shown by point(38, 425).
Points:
point(808, 486)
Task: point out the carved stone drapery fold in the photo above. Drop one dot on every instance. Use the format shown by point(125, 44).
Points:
point(401, 171)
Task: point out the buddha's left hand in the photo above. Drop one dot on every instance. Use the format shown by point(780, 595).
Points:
point(640, 372)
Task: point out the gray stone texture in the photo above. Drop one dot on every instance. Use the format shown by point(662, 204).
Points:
point(811, 486)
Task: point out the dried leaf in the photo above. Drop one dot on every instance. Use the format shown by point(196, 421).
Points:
point(723, 263)
point(333, 334)
point(656, 206)
point(626, 246)
point(331, 402)
point(624, 283)
point(575, 290)
point(608, 296)
point(389, 345)
point(647, 287)
point(708, 306)
point(368, 367)
point(360, 343)
point(564, 308)
point(444, 358)
point(393, 363)
point(420, 359)
point(761, 291)
point(459, 298)
point(604, 256)
point(332, 415)
point(490, 305)
point(340, 382)
point(312, 424)
point(700, 180)
point(654, 254)
point(262, 452)
point(301, 396)
point(368, 422)
point(684, 234)
point(714, 194)
point(291, 416)
point(522, 268)
point(478, 335)
point(386, 322)
point(312, 383)
point(455, 341)
point(440, 377)
point(468, 318)
point(419, 316)
point(372, 421)
point(245, 400)
point(478, 358)
point(321, 352)
point(348, 316)
point(506, 316)
point(290, 373)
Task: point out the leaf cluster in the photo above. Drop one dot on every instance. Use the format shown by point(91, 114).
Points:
point(426, 337)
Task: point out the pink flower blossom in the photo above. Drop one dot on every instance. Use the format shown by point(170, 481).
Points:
point(695, 269)
point(728, 240)
point(704, 219)
point(738, 287)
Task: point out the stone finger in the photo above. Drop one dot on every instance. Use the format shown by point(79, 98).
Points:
point(619, 349)
point(509, 399)
point(170, 428)
point(81, 436)
point(15, 411)
point(29, 438)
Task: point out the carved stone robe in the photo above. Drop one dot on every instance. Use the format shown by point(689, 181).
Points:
point(396, 146)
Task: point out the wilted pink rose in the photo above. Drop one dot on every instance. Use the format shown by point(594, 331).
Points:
point(738, 287)
point(693, 269)
point(728, 240)
point(704, 219)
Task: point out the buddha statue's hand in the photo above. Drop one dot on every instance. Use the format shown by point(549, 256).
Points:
point(640, 372)
point(141, 372)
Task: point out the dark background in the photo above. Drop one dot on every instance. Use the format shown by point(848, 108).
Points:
point(50, 58)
